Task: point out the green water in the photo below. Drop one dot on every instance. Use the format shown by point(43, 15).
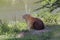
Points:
point(14, 9)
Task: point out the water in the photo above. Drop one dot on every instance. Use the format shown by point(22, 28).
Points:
point(12, 10)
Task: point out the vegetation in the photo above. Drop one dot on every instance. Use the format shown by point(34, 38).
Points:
point(47, 9)
point(8, 31)
point(51, 4)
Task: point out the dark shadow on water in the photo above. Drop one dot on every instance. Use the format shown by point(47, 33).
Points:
point(53, 27)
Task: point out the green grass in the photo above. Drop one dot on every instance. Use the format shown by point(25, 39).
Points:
point(9, 32)
point(54, 34)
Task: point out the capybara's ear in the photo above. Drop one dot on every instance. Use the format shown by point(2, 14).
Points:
point(26, 16)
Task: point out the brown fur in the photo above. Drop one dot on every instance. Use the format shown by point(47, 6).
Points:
point(34, 23)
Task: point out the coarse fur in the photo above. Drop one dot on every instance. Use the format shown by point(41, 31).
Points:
point(33, 23)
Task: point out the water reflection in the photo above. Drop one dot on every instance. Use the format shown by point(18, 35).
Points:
point(11, 10)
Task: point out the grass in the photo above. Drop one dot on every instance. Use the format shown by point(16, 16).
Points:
point(54, 34)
